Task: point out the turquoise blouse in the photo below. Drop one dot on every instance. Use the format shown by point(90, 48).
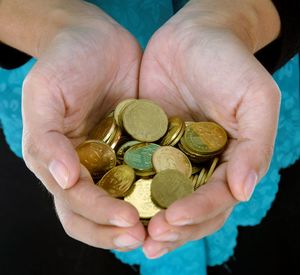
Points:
point(142, 18)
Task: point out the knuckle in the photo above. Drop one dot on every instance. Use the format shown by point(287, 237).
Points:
point(30, 150)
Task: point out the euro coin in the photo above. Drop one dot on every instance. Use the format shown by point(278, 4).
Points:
point(167, 157)
point(139, 156)
point(145, 121)
point(97, 157)
point(140, 198)
point(168, 186)
point(205, 138)
point(117, 181)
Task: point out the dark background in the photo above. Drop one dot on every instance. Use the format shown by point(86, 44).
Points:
point(32, 240)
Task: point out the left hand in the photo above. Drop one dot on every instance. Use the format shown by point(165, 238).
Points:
point(200, 69)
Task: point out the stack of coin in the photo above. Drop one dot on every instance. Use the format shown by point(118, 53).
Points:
point(137, 154)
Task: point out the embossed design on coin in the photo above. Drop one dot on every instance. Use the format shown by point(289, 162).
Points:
point(167, 157)
point(168, 186)
point(145, 121)
point(118, 180)
point(96, 156)
point(140, 198)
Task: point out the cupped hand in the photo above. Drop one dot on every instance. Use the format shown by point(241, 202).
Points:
point(199, 70)
point(89, 66)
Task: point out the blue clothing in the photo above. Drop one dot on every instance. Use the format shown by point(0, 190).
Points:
point(142, 18)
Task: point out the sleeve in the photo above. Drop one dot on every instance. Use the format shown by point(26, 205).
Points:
point(280, 51)
point(11, 58)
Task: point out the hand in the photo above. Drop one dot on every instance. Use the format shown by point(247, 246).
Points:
point(90, 65)
point(201, 70)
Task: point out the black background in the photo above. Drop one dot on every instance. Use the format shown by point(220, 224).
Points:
point(32, 240)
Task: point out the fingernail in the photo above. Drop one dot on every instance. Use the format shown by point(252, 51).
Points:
point(156, 255)
point(120, 222)
point(182, 222)
point(167, 237)
point(126, 241)
point(250, 184)
point(60, 173)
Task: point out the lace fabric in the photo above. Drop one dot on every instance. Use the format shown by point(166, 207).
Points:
point(142, 18)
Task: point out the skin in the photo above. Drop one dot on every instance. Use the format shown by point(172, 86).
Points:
point(206, 71)
point(199, 65)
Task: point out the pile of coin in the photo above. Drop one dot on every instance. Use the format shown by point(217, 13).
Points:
point(138, 154)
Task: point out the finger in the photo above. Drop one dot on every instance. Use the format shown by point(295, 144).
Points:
point(157, 245)
point(92, 202)
point(160, 230)
point(107, 237)
point(257, 117)
point(207, 202)
point(44, 144)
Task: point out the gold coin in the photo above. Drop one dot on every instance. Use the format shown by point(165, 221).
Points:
point(205, 138)
point(120, 108)
point(139, 156)
point(104, 130)
point(140, 198)
point(168, 186)
point(200, 179)
point(193, 157)
point(211, 169)
point(168, 157)
point(96, 156)
point(179, 136)
point(174, 128)
point(117, 181)
point(145, 121)
point(124, 147)
point(195, 178)
point(113, 142)
point(196, 169)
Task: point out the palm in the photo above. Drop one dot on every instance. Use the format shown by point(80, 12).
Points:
point(88, 75)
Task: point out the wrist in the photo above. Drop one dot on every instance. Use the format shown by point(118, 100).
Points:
point(30, 26)
point(255, 23)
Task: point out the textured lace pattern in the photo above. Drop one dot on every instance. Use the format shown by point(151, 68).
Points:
point(142, 18)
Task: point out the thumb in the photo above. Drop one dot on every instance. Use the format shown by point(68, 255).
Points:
point(45, 147)
point(52, 152)
point(257, 125)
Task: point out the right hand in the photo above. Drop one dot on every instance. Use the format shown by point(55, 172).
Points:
point(90, 65)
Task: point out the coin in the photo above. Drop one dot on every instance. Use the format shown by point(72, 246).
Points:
point(124, 147)
point(168, 157)
point(174, 128)
point(168, 186)
point(104, 130)
point(205, 138)
point(200, 179)
point(118, 113)
point(211, 169)
point(117, 181)
point(113, 141)
point(140, 198)
point(96, 156)
point(196, 169)
point(139, 156)
point(145, 121)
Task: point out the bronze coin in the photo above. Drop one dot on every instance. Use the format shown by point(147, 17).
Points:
point(96, 156)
